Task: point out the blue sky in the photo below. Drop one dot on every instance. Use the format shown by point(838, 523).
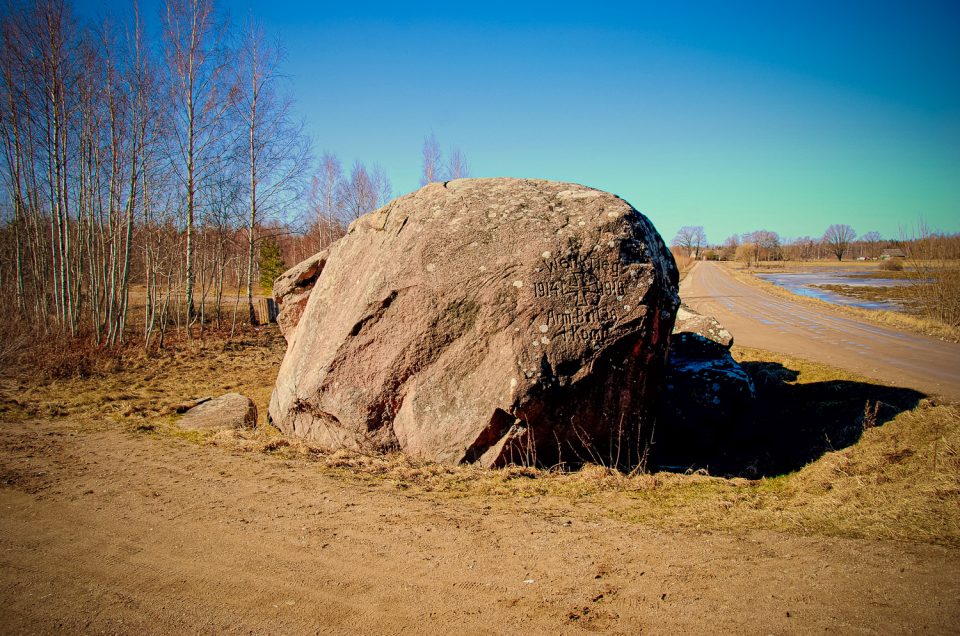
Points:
point(735, 116)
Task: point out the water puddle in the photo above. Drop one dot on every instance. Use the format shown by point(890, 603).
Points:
point(804, 284)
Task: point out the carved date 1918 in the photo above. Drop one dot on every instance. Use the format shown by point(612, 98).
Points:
point(582, 283)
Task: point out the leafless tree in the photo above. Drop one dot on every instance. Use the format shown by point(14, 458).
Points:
point(747, 254)
point(691, 238)
point(432, 160)
point(278, 153)
point(803, 248)
point(119, 166)
point(357, 194)
point(19, 162)
point(201, 95)
point(382, 188)
point(729, 251)
point(120, 89)
point(47, 69)
point(457, 165)
point(323, 201)
point(838, 238)
point(766, 245)
point(932, 265)
point(871, 244)
point(365, 191)
point(436, 169)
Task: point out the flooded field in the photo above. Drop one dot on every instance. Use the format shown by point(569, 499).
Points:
point(839, 287)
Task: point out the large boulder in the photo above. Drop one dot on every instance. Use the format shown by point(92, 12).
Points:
point(706, 394)
point(292, 289)
point(488, 321)
point(231, 410)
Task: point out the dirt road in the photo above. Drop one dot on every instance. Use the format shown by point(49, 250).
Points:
point(762, 320)
point(106, 531)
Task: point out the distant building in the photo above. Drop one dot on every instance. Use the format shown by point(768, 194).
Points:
point(886, 255)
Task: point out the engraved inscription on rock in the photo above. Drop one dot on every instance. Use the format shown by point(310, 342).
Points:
point(584, 295)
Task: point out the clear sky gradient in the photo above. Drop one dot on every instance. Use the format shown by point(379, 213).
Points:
point(732, 115)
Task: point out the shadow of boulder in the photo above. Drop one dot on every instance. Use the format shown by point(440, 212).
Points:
point(787, 426)
point(706, 394)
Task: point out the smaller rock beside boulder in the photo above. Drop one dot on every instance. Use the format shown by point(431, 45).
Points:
point(232, 410)
point(706, 392)
point(292, 290)
point(691, 329)
point(186, 405)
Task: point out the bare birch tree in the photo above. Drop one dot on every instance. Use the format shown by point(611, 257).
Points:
point(115, 115)
point(871, 243)
point(457, 165)
point(200, 97)
point(381, 186)
point(324, 202)
point(16, 161)
point(765, 243)
point(432, 160)
point(357, 194)
point(41, 60)
point(115, 157)
point(804, 248)
point(278, 152)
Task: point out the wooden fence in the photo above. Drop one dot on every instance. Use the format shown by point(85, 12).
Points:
point(265, 310)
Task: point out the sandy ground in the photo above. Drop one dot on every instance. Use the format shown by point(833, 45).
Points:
point(105, 530)
point(761, 320)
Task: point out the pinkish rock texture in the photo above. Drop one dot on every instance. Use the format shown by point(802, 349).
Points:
point(488, 321)
point(292, 289)
point(689, 323)
point(231, 410)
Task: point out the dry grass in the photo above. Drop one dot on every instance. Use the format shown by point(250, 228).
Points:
point(683, 260)
point(937, 292)
point(895, 319)
point(901, 294)
point(129, 385)
point(51, 355)
point(900, 481)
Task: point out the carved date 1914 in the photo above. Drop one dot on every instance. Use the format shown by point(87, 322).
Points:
point(582, 283)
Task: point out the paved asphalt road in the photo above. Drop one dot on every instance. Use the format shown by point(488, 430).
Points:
point(762, 320)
